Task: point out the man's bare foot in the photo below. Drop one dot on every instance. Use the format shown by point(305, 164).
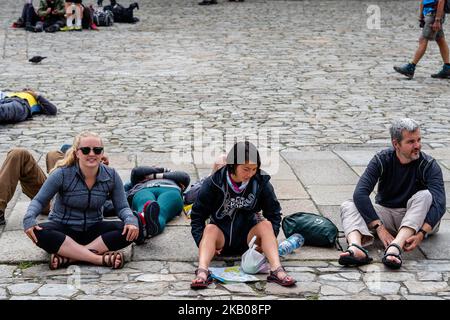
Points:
point(393, 250)
point(357, 253)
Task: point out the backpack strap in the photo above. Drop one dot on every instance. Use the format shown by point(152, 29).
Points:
point(337, 244)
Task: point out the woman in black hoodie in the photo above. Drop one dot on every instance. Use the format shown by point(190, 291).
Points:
point(232, 198)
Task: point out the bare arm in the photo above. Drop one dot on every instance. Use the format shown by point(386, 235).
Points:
point(421, 17)
point(440, 10)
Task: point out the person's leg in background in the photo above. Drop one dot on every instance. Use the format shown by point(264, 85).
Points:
point(444, 73)
point(52, 157)
point(19, 165)
point(31, 17)
point(141, 198)
point(170, 204)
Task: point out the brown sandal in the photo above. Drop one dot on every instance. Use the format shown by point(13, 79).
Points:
point(273, 277)
point(109, 259)
point(63, 262)
point(205, 282)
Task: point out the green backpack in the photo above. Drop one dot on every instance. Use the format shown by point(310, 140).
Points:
point(317, 230)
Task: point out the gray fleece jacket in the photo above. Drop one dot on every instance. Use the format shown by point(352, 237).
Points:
point(75, 205)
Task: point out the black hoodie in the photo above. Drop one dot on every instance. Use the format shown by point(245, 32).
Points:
point(215, 202)
point(397, 183)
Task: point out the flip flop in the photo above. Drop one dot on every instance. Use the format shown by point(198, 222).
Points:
point(389, 263)
point(351, 260)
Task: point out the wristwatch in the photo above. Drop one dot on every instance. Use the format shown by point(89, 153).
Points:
point(423, 232)
point(375, 227)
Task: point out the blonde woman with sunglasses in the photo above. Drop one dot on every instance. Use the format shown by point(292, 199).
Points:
point(76, 230)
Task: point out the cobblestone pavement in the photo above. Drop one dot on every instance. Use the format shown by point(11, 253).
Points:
point(311, 70)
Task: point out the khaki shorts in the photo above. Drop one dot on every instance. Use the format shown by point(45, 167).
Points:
point(427, 31)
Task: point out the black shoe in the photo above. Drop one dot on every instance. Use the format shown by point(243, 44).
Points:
point(443, 74)
point(2, 218)
point(134, 6)
point(207, 2)
point(30, 28)
point(52, 29)
point(151, 214)
point(406, 69)
point(141, 237)
point(18, 24)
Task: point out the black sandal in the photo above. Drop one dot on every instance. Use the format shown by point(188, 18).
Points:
point(389, 263)
point(109, 259)
point(205, 282)
point(285, 282)
point(351, 260)
point(63, 262)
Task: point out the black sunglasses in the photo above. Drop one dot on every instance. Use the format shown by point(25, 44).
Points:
point(87, 150)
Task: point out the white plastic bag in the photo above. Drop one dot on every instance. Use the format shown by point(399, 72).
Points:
point(254, 262)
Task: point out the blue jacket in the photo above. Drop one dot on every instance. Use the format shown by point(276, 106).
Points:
point(397, 183)
point(212, 202)
point(75, 205)
point(15, 109)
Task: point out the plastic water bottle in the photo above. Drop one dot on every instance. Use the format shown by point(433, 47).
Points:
point(290, 244)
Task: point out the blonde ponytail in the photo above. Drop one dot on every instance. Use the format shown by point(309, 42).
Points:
point(70, 157)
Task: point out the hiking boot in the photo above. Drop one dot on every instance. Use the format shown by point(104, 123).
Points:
point(66, 28)
point(443, 74)
point(2, 218)
point(407, 69)
point(151, 215)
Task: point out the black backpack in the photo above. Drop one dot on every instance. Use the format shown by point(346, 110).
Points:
point(316, 229)
point(103, 18)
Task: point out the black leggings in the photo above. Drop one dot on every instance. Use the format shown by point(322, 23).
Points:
point(53, 234)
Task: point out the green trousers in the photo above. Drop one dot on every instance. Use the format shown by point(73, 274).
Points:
point(169, 199)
